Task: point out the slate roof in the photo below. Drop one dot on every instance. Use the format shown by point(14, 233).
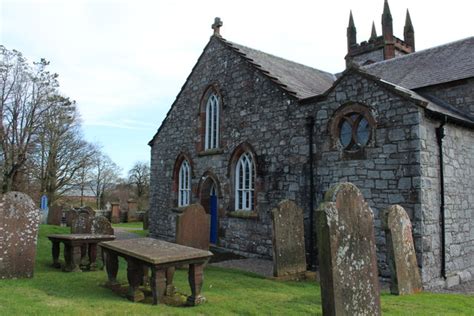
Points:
point(440, 64)
point(297, 79)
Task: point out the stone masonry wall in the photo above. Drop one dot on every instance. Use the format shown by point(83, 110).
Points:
point(254, 110)
point(399, 163)
point(458, 156)
point(388, 171)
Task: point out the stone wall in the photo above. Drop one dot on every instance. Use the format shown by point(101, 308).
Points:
point(387, 171)
point(399, 166)
point(458, 161)
point(254, 111)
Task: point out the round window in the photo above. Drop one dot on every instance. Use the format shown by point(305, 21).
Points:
point(354, 131)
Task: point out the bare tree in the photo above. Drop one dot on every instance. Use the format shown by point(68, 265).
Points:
point(139, 177)
point(105, 174)
point(25, 92)
point(61, 151)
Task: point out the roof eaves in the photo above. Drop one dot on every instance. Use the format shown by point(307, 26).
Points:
point(260, 68)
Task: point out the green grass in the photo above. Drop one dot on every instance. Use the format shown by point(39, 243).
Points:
point(52, 292)
point(129, 225)
point(133, 227)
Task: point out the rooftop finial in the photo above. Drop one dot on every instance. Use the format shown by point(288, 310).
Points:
point(409, 32)
point(351, 20)
point(217, 26)
point(386, 9)
point(373, 34)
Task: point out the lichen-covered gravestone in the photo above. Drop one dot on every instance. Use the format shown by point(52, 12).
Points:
point(192, 227)
point(19, 222)
point(289, 256)
point(82, 224)
point(101, 226)
point(348, 266)
point(401, 254)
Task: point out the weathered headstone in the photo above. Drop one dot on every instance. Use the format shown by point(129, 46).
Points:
point(289, 256)
point(101, 226)
point(19, 222)
point(192, 227)
point(115, 215)
point(71, 216)
point(145, 220)
point(347, 257)
point(88, 210)
point(82, 224)
point(401, 254)
point(55, 214)
point(132, 211)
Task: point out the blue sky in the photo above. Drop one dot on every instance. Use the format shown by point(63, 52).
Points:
point(125, 61)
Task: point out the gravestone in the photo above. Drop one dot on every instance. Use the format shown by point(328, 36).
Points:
point(115, 214)
point(101, 226)
point(145, 220)
point(19, 222)
point(289, 256)
point(132, 211)
point(87, 209)
point(347, 257)
point(71, 216)
point(82, 224)
point(55, 214)
point(192, 227)
point(401, 255)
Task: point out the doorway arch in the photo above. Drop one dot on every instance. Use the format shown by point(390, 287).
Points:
point(209, 199)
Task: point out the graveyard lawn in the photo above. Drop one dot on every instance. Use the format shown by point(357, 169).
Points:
point(52, 292)
point(133, 227)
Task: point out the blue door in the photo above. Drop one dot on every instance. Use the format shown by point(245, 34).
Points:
point(213, 207)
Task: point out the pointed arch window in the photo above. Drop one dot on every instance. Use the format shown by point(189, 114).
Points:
point(212, 122)
point(184, 184)
point(245, 183)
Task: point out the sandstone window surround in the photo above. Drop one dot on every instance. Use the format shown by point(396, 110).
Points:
point(245, 183)
point(212, 122)
point(184, 184)
point(209, 126)
point(352, 128)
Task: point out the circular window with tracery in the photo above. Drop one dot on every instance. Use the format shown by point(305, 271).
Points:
point(352, 126)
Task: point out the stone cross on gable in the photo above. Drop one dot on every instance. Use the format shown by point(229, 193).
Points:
point(217, 26)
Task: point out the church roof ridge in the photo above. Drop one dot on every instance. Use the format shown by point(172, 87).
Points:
point(435, 65)
point(296, 78)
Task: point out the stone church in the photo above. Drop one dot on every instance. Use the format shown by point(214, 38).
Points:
point(249, 129)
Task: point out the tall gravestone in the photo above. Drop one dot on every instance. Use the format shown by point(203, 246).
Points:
point(401, 254)
point(71, 216)
point(289, 256)
point(82, 224)
point(115, 213)
point(192, 227)
point(55, 214)
point(19, 222)
point(347, 257)
point(132, 215)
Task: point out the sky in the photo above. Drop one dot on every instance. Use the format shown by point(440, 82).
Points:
point(124, 61)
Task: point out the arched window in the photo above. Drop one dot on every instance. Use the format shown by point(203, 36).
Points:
point(245, 183)
point(212, 122)
point(184, 184)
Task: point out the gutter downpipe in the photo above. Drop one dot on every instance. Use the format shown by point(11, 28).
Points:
point(312, 236)
point(440, 133)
